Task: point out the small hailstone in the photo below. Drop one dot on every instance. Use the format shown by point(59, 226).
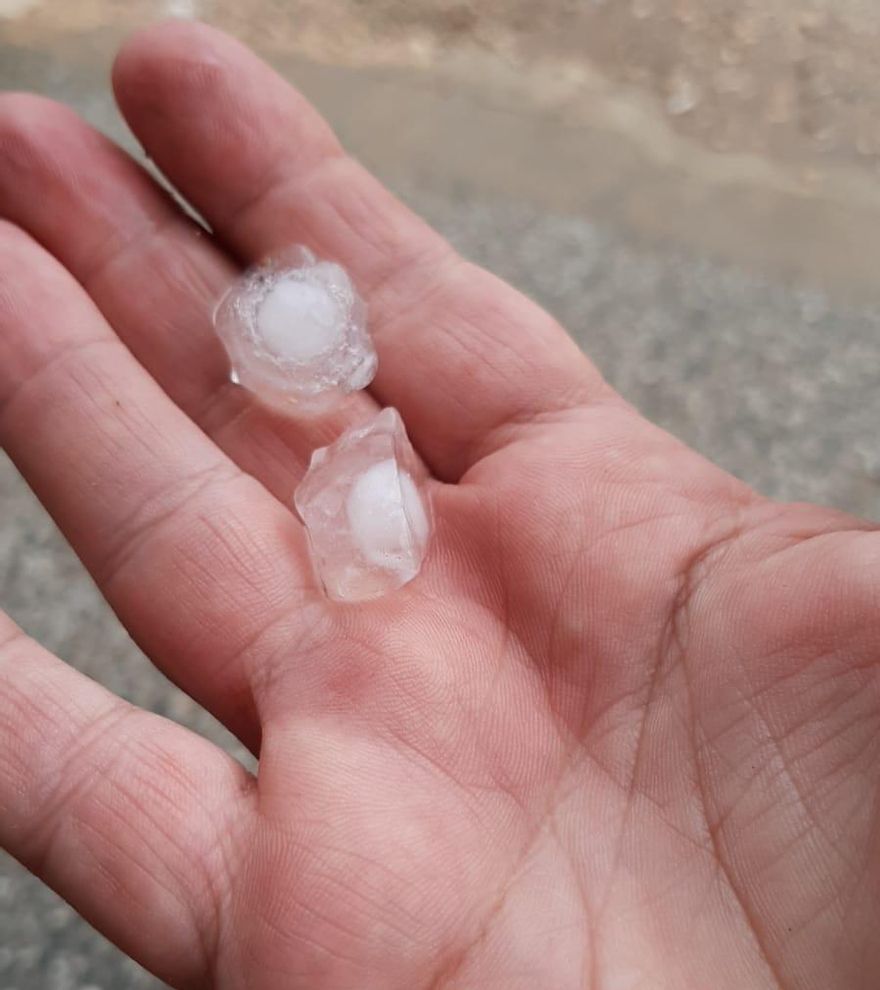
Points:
point(295, 332)
point(363, 502)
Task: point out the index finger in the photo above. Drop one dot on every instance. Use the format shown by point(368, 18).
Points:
point(462, 355)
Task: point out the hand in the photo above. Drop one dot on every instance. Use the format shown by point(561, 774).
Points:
point(621, 732)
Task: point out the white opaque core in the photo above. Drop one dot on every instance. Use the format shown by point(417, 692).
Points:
point(297, 320)
point(385, 512)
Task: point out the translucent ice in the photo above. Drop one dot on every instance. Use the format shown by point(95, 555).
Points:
point(295, 331)
point(364, 506)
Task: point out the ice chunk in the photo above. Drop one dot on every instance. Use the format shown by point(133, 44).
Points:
point(363, 501)
point(295, 332)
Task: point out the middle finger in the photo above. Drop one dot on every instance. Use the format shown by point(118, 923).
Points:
point(155, 275)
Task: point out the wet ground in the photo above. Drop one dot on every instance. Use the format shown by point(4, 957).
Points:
point(692, 187)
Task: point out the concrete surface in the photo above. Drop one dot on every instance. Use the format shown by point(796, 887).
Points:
point(725, 286)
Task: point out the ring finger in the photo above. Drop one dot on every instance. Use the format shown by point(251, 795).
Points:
point(203, 566)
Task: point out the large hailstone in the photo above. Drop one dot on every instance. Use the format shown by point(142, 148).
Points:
point(364, 505)
point(295, 332)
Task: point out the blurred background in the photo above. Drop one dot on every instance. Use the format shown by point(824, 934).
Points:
point(691, 186)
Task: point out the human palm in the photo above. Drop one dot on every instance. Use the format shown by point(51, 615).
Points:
point(621, 731)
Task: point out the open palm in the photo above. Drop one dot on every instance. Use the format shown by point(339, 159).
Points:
point(622, 732)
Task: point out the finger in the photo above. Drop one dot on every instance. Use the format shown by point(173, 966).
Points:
point(465, 358)
point(155, 275)
point(134, 820)
point(195, 556)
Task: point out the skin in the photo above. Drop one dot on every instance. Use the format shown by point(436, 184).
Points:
point(622, 731)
